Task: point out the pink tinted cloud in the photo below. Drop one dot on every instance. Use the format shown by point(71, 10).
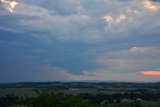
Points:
point(151, 72)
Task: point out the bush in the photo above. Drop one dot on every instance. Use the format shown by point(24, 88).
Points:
point(46, 99)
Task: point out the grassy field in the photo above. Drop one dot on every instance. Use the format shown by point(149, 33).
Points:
point(130, 104)
point(150, 104)
point(127, 104)
point(69, 93)
point(21, 92)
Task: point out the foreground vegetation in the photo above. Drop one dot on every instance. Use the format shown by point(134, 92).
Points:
point(51, 99)
point(80, 95)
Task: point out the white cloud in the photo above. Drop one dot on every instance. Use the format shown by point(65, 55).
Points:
point(116, 62)
point(152, 5)
point(141, 50)
point(47, 72)
point(131, 60)
point(41, 19)
point(73, 20)
point(7, 29)
point(109, 19)
point(130, 15)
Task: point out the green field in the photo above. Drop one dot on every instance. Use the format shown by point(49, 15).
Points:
point(80, 95)
point(21, 92)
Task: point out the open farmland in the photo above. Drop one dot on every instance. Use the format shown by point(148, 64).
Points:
point(88, 93)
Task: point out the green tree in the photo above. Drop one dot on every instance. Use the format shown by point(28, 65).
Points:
point(44, 99)
point(74, 101)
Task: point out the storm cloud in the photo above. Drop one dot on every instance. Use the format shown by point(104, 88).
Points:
point(80, 40)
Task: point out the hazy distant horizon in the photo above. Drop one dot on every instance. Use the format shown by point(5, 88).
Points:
point(87, 81)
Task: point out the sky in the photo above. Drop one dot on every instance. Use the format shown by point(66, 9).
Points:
point(79, 40)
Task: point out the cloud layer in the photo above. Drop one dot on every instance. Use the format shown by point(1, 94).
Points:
point(80, 40)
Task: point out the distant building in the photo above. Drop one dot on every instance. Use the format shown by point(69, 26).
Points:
point(123, 100)
point(74, 89)
point(138, 99)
